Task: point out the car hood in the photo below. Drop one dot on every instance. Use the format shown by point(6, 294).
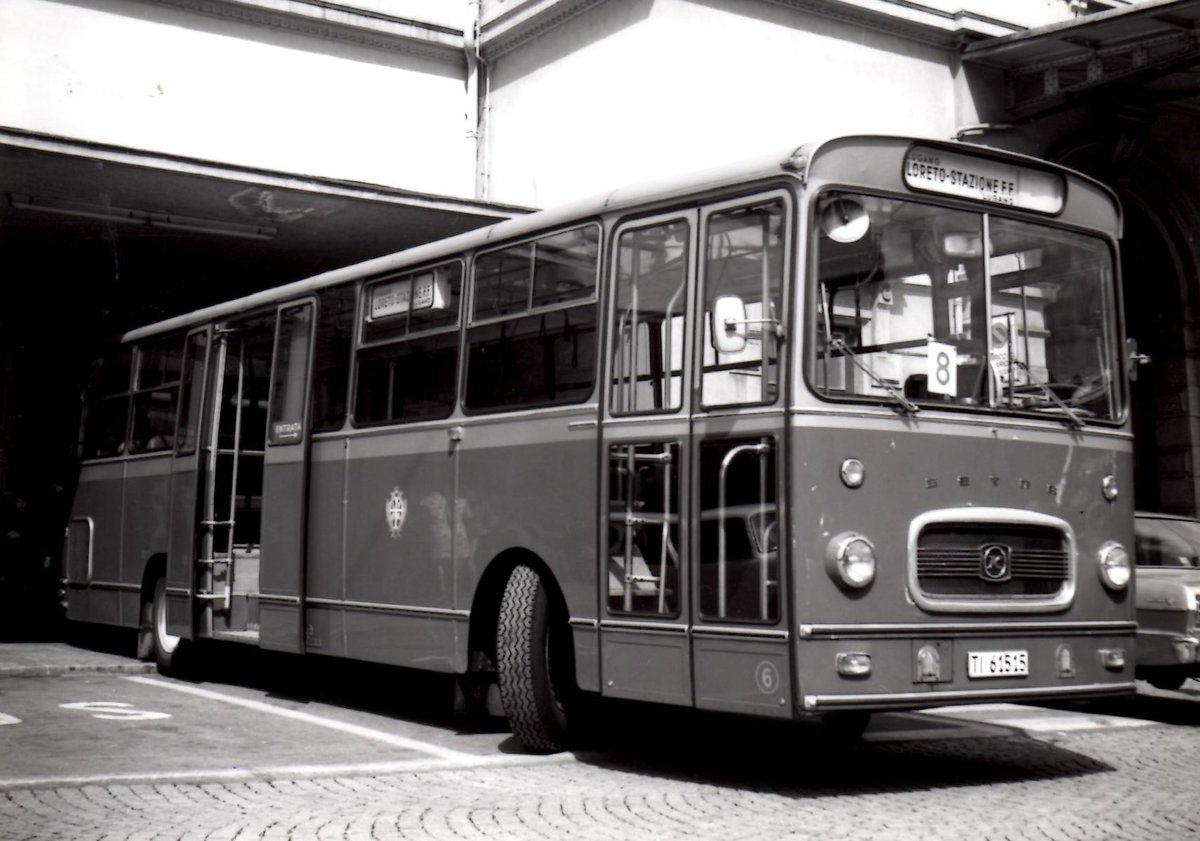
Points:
point(1167, 589)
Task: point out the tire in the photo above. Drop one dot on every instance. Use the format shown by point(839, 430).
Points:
point(168, 648)
point(535, 663)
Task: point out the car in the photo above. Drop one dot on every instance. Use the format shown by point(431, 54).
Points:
point(1167, 551)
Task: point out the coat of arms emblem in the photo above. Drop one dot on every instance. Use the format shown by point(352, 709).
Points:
point(397, 511)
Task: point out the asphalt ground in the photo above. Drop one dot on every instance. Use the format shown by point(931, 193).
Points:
point(254, 746)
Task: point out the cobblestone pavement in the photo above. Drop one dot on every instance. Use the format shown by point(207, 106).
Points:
point(735, 781)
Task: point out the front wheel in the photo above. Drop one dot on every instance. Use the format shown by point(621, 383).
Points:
point(535, 661)
point(847, 725)
point(1166, 679)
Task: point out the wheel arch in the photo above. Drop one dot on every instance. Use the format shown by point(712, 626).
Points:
point(485, 605)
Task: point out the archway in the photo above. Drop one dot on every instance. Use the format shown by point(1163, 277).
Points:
point(1158, 264)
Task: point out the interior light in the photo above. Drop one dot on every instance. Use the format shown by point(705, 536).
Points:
point(844, 219)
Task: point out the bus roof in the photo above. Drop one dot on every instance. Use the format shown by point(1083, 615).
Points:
point(793, 160)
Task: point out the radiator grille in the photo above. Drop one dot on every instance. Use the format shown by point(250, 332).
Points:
point(1000, 561)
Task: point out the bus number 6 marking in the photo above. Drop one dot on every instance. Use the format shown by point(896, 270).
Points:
point(766, 676)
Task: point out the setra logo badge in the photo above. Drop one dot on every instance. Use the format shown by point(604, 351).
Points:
point(995, 562)
point(397, 511)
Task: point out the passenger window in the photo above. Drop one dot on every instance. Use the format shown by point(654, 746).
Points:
point(408, 360)
point(331, 357)
point(106, 406)
point(650, 323)
point(543, 350)
point(192, 387)
point(289, 383)
point(744, 257)
point(156, 396)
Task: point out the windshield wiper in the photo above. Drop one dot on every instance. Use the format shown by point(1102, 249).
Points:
point(1074, 419)
point(907, 406)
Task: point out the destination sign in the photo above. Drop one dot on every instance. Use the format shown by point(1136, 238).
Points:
point(422, 292)
point(983, 179)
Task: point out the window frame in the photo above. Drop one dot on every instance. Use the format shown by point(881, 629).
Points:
point(590, 301)
point(360, 344)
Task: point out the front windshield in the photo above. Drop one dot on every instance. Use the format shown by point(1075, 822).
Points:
point(907, 310)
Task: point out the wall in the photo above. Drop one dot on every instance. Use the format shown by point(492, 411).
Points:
point(630, 90)
point(158, 78)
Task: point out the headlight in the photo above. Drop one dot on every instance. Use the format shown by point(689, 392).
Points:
point(851, 560)
point(1115, 567)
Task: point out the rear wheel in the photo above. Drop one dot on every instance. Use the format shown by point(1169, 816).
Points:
point(535, 663)
point(168, 648)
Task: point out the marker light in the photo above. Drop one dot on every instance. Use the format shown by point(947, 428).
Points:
point(1110, 487)
point(1115, 568)
point(851, 560)
point(1113, 658)
point(853, 473)
point(853, 664)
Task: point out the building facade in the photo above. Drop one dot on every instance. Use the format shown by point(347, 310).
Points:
point(156, 155)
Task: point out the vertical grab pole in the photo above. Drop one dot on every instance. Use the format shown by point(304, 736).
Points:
point(765, 308)
point(631, 479)
point(762, 519)
point(237, 446)
point(721, 548)
point(666, 530)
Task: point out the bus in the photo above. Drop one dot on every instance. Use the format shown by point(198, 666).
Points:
point(840, 430)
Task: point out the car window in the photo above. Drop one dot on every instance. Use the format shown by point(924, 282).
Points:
point(1169, 543)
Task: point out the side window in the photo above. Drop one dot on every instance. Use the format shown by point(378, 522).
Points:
point(532, 340)
point(289, 376)
point(156, 395)
point(650, 319)
point(331, 357)
point(106, 406)
point(192, 388)
point(744, 258)
point(408, 353)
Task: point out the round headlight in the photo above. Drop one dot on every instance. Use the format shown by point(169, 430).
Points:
point(1115, 566)
point(851, 561)
point(853, 473)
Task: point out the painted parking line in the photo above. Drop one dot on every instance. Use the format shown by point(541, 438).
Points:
point(1035, 720)
point(448, 754)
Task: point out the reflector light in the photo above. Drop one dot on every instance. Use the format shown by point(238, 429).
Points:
point(854, 664)
point(1065, 661)
point(853, 472)
point(1110, 487)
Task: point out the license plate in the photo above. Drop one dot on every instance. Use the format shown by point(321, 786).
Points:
point(997, 664)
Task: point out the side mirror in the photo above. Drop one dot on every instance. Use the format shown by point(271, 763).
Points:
point(1133, 359)
point(729, 324)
